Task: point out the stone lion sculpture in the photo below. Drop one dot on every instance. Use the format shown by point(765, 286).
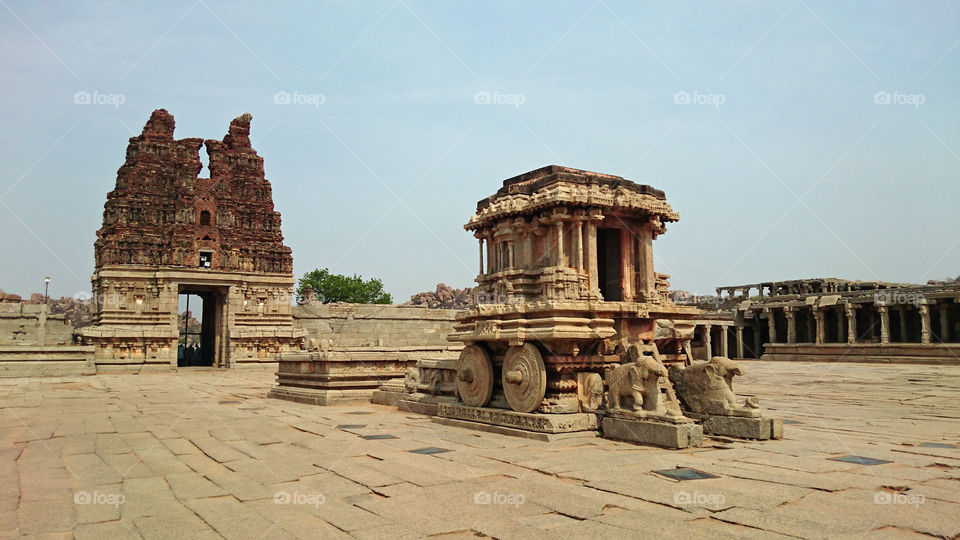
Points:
point(635, 381)
point(707, 387)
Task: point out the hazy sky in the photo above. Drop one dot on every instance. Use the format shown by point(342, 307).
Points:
point(761, 120)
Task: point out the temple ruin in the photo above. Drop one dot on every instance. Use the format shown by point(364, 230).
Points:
point(573, 329)
point(166, 233)
point(834, 319)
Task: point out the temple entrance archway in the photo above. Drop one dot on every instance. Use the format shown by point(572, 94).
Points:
point(200, 322)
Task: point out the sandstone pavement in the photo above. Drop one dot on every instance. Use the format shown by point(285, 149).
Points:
point(203, 453)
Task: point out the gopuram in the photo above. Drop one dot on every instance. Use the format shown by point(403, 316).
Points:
point(168, 233)
point(564, 335)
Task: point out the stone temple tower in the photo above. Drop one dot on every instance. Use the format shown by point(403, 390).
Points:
point(166, 233)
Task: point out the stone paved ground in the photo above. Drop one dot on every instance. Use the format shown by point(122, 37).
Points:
point(203, 454)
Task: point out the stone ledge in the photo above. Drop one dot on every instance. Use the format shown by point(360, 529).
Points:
point(320, 397)
point(653, 433)
point(762, 428)
point(542, 423)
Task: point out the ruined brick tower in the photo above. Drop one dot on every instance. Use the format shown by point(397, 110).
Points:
point(167, 232)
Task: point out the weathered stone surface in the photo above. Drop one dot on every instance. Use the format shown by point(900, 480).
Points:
point(543, 423)
point(155, 215)
point(760, 428)
point(652, 432)
point(571, 483)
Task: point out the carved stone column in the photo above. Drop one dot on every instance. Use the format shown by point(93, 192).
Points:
point(739, 332)
point(851, 312)
point(821, 327)
point(708, 341)
point(481, 255)
point(579, 246)
point(490, 253)
point(772, 325)
point(561, 260)
point(592, 258)
point(724, 342)
point(925, 324)
point(510, 261)
point(884, 324)
point(791, 324)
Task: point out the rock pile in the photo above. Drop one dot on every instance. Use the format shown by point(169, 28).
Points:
point(443, 298)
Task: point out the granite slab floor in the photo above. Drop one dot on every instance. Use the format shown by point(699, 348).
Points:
point(204, 454)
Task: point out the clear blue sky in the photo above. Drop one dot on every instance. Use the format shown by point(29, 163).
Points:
point(786, 168)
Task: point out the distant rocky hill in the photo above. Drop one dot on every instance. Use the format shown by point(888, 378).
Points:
point(443, 298)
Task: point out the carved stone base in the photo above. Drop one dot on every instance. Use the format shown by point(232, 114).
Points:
point(390, 393)
point(761, 428)
point(657, 433)
point(312, 396)
point(540, 423)
point(423, 403)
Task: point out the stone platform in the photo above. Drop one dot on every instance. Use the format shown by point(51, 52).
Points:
point(870, 353)
point(345, 375)
point(204, 454)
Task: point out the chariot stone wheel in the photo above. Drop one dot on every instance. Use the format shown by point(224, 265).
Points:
point(475, 376)
point(524, 378)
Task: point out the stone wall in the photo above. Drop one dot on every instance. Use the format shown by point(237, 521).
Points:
point(34, 342)
point(32, 324)
point(374, 325)
point(357, 348)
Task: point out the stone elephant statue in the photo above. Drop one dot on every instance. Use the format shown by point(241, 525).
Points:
point(635, 381)
point(707, 387)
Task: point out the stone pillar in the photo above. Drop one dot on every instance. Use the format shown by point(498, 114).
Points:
point(944, 323)
point(648, 279)
point(791, 324)
point(490, 253)
point(592, 257)
point(580, 246)
point(821, 327)
point(481, 255)
point(739, 332)
point(561, 260)
point(925, 324)
point(627, 277)
point(510, 262)
point(708, 341)
point(851, 312)
point(772, 325)
point(724, 342)
point(884, 324)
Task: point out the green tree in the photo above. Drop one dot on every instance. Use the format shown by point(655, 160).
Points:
point(329, 287)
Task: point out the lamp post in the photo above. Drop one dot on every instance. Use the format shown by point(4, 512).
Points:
point(46, 289)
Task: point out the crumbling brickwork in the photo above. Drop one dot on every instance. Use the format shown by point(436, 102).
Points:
point(161, 213)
